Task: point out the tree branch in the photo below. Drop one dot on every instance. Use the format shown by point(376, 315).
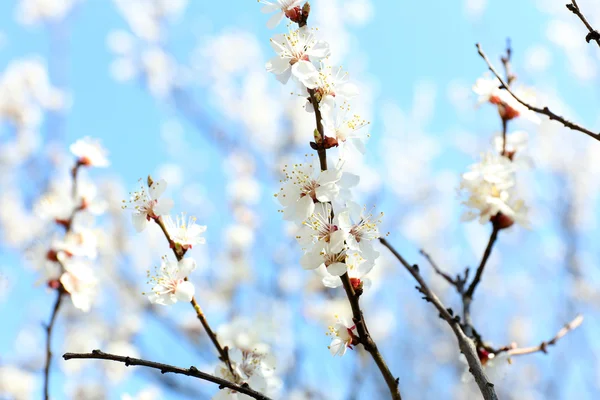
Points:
point(165, 368)
point(593, 34)
point(545, 110)
point(49, 329)
point(465, 344)
point(543, 347)
point(179, 254)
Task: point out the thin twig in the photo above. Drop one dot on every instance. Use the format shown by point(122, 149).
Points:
point(593, 34)
point(467, 296)
point(458, 282)
point(179, 254)
point(165, 368)
point(545, 110)
point(465, 344)
point(543, 347)
point(49, 330)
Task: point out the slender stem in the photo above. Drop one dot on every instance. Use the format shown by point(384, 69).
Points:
point(361, 326)
point(464, 343)
point(165, 368)
point(542, 347)
point(49, 330)
point(179, 254)
point(545, 110)
point(504, 129)
point(593, 34)
point(467, 296)
point(482, 264)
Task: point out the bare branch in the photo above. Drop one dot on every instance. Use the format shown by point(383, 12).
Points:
point(49, 329)
point(593, 34)
point(165, 368)
point(465, 344)
point(543, 111)
point(458, 282)
point(543, 347)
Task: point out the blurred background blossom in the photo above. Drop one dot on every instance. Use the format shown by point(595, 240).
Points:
point(178, 89)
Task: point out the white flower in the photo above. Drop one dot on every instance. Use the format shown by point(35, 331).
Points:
point(296, 52)
point(319, 226)
point(331, 84)
point(89, 152)
point(79, 281)
point(489, 90)
point(342, 335)
point(147, 205)
point(358, 268)
point(251, 367)
point(360, 228)
point(516, 143)
point(330, 255)
point(170, 284)
point(185, 233)
point(488, 187)
point(345, 127)
point(281, 8)
point(301, 190)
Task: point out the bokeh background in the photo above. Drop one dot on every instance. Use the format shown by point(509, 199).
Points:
point(178, 89)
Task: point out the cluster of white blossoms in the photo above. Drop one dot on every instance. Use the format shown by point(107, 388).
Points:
point(66, 263)
point(170, 281)
point(489, 187)
point(335, 233)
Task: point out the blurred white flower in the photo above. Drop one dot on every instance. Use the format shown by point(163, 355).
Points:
point(146, 205)
point(79, 281)
point(490, 90)
point(89, 152)
point(15, 383)
point(32, 12)
point(281, 8)
point(170, 284)
point(185, 232)
point(255, 368)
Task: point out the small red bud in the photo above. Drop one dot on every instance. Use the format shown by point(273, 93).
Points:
point(330, 142)
point(54, 284)
point(295, 14)
point(502, 221)
point(356, 283)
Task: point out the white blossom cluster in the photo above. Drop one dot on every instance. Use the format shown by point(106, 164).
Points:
point(335, 233)
point(72, 205)
point(490, 186)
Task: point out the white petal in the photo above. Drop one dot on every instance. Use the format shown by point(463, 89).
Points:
point(185, 291)
point(332, 281)
point(337, 269)
point(186, 266)
point(319, 50)
point(157, 189)
point(139, 221)
point(163, 206)
point(306, 73)
point(274, 20)
point(304, 208)
point(278, 65)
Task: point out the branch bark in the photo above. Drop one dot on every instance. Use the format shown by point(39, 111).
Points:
point(593, 34)
point(543, 111)
point(49, 330)
point(465, 344)
point(165, 368)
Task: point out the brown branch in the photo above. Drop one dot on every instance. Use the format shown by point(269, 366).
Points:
point(179, 254)
point(543, 347)
point(465, 344)
point(467, 296)
point(593, 34)
point(353, 297)
point(165, 368)
point(49, 330)
point(60, 290)
point(543, 111)
point(458, 282)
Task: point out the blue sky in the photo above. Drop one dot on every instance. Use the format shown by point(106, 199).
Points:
point(403, 46)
